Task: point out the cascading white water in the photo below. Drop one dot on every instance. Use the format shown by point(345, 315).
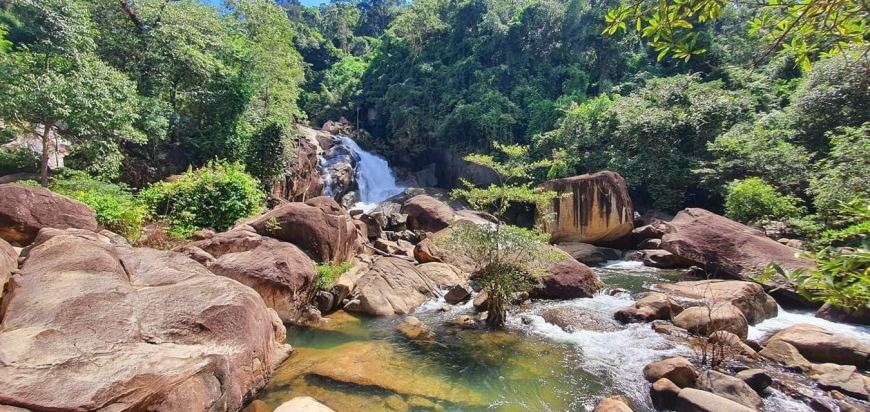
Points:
point(375, 179)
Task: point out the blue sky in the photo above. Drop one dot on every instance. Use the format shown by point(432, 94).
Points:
point(305, 2)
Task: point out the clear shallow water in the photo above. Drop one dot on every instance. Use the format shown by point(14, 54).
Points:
point(354, 364)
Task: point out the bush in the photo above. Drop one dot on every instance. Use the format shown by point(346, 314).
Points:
point(21, 160)
point(269, 154)
point(117, 208)
point(751, 200)
point(214, 196)
point(845, 174)
point(327, 273)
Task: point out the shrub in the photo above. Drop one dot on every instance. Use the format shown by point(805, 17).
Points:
point(214, 196)
point(117, 208)
point(21, 160)
point(327, 273)
point(854, 228)
point(845, 173)
point(751, 200)
point(269, 153)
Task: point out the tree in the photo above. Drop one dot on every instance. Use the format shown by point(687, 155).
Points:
point(55, 83)
point(806, 28)
point(507, 258)
point(269, 154)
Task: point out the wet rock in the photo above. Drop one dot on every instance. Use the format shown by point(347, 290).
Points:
point(597, 208)
point(845, 379)
point(131, 328)
point(653, 306)
point(666, 328)
point(573, 320)
point(663, 259)
point(833, 313)
point(703, 321)
point(568, 279)
point(281, 273)
point(427, 213)
point(729, 387)
point(679, 370)
point(786, 355)
point(392, 286)
point(694, 400)
point(457, 294)
point(462, 321)
point(729, 249)
point(757, 379)
point(732, 341)
point(749, 297)
point(25, 210)
point(650, 244)
point(664, 394)
point(413, 329)
point(303, 404)
point(480, 301)
point(320, 227)
point(820, 345)
point(613, 404)
point(589, 254)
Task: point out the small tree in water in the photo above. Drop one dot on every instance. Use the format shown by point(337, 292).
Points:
point(507, 259)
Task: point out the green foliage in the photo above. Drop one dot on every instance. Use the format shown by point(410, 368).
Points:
point(118, 210)
point(845, 174)
point(854, 225)
point(20, 160)
point(328, 273)
point(840, 278)
point(269, 154)
point(751, 200)
point(214, 196)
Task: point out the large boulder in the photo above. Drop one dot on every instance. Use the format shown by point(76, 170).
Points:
point(568, 279)
point(678, 370)
point(704, 320)
point(8, 263)
point(25, 209)
point(613, 404)
point(427, 213)
point(653, 306)
point(820, 345)
point(786, 355)
point(663, 259)
point(593, 208)
point(846, 379)
point(749, 297)
point(320, 227)
point(589, 254)
point(729, 249)
point(302, 180)
point(281, 273)
point(729, 387)
point(695, 400)
point(392, 286)
point(130, 329)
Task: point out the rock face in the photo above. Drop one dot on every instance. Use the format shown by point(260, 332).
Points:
point(694, 400)
point(302, 404)
point(392, 287)
point(728, 249)
point(303, 181)
point(653, 306)
point(280, 272)
point(568, 279)
point(8, 263)
point(819, 345)
point(319, 227)
point(703, 321)
point(729, 388)
point(24, 210)
point(597, 208)
point(749, 297)
point(678, 370)
point(130, 329)
point(589, 254)
point(427, 213)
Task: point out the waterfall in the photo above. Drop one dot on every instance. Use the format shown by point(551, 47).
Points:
point(374, 177)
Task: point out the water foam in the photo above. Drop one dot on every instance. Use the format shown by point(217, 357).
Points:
point(375, 178)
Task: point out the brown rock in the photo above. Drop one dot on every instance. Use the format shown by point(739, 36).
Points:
point(732, 341)
point(413, 329)
point(749, 297)
point(729, 249)
point(729, 387)
point(653, 306)
point(589, 254)
point(302, 404)
point(833, 313)
point(457, 294)
point(613, 404)
point(786, 355)
point(597, 208)
point(703, 321)
point(319, 227)
point(757, 379)
point(679, 370)
point(443, 274)
point(25, 209)
point(427, 213)
point(846, 379)
point(649, 244)
point(664, 394)
point(694, 400)
point(663, 259)
point(373, 226)
point(131, 328)
point(568, 279)
point(427, 251)
point(387, 246)
point(393, 286)
point(302, 181)
point(572, 320)
point(819, 345)
point(8, 263)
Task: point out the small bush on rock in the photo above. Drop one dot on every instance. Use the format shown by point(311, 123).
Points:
point(214, 196)
point(751, 200)
point(327, 273)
